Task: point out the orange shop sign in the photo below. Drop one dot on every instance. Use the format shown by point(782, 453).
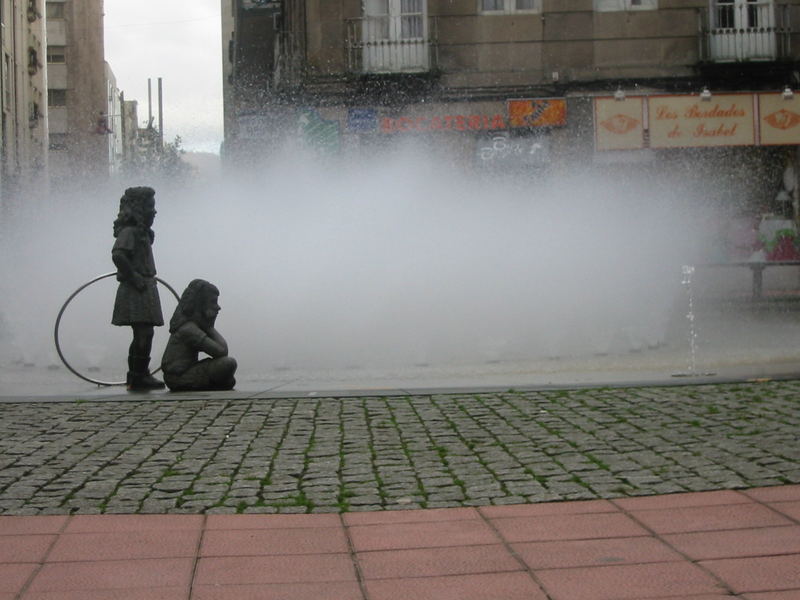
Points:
point(619, 124)
point(442, 123)
point(779, 119)
point(687, 121)
point(537, 112)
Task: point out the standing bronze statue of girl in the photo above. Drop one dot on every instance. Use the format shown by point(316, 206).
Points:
point(137, 304)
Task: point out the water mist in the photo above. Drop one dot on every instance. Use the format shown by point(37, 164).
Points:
point(392, 262)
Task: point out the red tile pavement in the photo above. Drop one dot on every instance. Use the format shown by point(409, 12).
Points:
point(32, 525)
point(272, 521)
point(628, 581)
point(758, 573)
point(263, 542)
point(383, 517)
point(703, 546)
point(715, 498)
point(14, 576)
point(790, 509)
point(330, 590)
point(735, 543)
point(128, 545)
point(709, 518)
point(494, 586)
point(295, 568)
point(165, 593)
point(430, 562)
point(25, 548)
point(718, 596)
point(568, 527)
point(594, 553)
point(548, 508)
point(781, 493)
point(113, 574)
point(421, 535)
point(125, 523)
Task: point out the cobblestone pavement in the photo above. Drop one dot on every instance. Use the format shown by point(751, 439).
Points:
point(266, 455)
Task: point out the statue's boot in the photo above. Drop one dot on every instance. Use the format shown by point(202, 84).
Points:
point(139, 378)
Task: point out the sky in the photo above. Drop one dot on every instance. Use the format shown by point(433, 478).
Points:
point(179, 41)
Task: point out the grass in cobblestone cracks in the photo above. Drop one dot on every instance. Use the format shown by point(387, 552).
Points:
point(581, 438)
point(561, 398)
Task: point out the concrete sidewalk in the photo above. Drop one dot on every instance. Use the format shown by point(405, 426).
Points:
point(697, 546)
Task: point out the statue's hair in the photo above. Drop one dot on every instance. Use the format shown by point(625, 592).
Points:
point(191, 303)
point(131, 209)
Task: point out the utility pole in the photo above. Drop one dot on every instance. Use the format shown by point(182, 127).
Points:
point(2, 96)
point(160, 117)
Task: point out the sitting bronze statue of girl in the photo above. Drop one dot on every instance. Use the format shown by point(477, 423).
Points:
point(191, 332)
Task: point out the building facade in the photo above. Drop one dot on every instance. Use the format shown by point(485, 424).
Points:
point(82, 97)
point(523, 86)
point(23, 85)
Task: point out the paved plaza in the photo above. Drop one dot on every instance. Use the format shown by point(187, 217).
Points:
point(614, 493)
point(719, 545)
point(171, 453)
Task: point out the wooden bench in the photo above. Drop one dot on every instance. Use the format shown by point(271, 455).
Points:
point(757, 267)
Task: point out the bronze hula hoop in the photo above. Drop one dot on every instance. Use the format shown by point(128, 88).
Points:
point(61, 313)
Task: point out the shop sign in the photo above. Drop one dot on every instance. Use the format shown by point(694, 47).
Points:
point(318, 132)
point(273, 6)
point(253, 127)
point(688, 121)
point(443, 123)
point(537, 112)
point(619, 124)
point(362, 119)
point(779, 119)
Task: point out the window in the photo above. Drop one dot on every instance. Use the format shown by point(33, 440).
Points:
point(54, 10)
point(509, 6)
point(614, 5)
point(56, 97)
point(7, 81)
point(741, 14)
point(33, 114)
point(33, 60)
point(58, 141)
point(33, 10)
point(56, 55)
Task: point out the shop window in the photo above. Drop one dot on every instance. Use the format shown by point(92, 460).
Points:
point(614, 5)
point(509, 6)
point(56, 97)
point(56, 55)
point(54, 10)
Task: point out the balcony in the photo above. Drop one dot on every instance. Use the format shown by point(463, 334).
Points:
point(391, 44)
point(288, 68)
point(737, 31)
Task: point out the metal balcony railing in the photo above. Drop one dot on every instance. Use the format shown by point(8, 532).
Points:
point(739, 31)
point(288, 67)
point(391, 44)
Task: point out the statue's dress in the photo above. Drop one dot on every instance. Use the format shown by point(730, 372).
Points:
point(133, 306)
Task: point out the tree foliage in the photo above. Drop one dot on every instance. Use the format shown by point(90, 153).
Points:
point(152, 161)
